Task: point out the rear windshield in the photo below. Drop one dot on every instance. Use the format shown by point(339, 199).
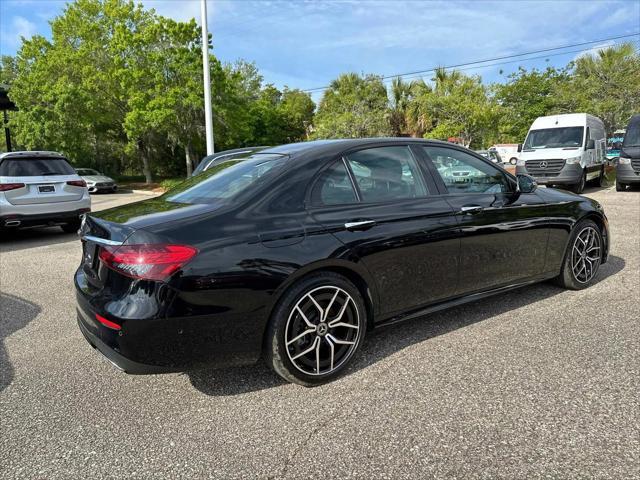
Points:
point(632, 137)
point(207, 163)
point(33, 167)
point(226, 180)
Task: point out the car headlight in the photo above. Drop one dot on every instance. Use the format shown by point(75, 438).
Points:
point(573, 160)
point(520, 163)
point(624, 161)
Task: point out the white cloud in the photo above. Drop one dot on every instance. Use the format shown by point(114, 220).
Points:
point(20, 27)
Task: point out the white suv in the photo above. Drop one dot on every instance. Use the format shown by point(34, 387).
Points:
point(41, 188)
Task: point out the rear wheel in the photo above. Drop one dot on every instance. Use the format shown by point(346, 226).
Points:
point(583, 257)
point(71, 227)
point(579, 187)
point(620, 187)
point(316, 329)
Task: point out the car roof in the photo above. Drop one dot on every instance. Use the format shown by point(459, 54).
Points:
point(339, 145)
point(33, 153)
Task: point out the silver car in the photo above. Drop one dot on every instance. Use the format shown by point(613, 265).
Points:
point(96, 181)
point(41, 188)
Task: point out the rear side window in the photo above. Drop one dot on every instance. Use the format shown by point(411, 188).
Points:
point(33, 167)
point(333, 187)
point(386, 173)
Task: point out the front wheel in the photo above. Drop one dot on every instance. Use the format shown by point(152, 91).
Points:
point(579, 187)
point(513, 161)
point(316, 329)
point(620, 187)
point(583, 257)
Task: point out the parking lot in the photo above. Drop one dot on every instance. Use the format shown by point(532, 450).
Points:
point(540, 382)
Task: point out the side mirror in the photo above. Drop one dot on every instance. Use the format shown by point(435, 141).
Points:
point(519, 147)
point(591, 144)
point(526, 184)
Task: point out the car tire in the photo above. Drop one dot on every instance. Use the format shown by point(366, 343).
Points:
point(71, 227)
point(298, 325)
point(579, 187)
point(513, 161)
point(578, 270)
point(620, 187)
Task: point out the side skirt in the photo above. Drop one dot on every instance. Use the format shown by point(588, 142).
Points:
point(462, 300)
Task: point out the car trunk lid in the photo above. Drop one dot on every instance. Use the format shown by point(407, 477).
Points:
point(43, 189)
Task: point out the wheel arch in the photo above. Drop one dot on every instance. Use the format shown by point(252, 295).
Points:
point(355, 273)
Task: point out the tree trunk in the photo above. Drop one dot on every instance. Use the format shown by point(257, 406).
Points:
point(146, 167)
point(188, 157)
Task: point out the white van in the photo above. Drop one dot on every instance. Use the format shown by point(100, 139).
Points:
point(564, 150)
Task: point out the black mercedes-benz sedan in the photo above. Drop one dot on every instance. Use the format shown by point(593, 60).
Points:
point(293, 253)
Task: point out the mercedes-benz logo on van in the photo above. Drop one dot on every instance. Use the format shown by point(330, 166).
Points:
point(543, 164)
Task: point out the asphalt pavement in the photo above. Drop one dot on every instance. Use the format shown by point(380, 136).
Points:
point(537, 383)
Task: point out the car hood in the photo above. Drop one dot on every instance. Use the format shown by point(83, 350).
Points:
point(549, 154)
point(97, 178)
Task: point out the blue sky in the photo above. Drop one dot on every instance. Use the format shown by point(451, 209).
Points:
point(306, 44)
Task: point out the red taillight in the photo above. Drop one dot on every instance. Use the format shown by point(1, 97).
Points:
point(77, 183)
point(10, 186)
point(150, 262)
point(108, 323)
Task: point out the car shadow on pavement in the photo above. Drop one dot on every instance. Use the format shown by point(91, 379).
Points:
point(385, 341)
point(15, 313)
point(15, 240)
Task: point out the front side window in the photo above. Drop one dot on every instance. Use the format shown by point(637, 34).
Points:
point(386, 173)
point(561, 137)
point(464, 173)
point(333, 187)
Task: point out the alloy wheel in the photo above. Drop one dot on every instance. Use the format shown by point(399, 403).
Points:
point(322, 330)
point(586, 255)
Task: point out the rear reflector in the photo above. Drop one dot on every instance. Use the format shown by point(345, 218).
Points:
point(77, 183)
point(108, 323)
point(149, 262)
point(4, 187)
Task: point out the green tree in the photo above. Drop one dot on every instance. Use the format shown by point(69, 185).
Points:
point(459, 106)
point(605, 84)
point(353, 106)
point(526, 96)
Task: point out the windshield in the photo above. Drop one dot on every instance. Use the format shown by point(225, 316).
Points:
point(225, 180)
point(632, 137)
point(33, 167)
point(563, 137)
point(86, 171)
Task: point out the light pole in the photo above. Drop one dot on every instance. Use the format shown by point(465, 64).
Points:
point(208, 116)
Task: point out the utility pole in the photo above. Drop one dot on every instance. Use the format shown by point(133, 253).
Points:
point(208, 116)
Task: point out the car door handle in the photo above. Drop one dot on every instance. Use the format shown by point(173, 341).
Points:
point(359, 225)
point(470, 208)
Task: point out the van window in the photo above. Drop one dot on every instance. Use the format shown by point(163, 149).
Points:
point(632, 137)
point(561, 137)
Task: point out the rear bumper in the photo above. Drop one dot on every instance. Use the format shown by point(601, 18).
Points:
point(120, 361)
point(39, 214)
point(626, 174)
point(569, 175)
point(151, 342)
point(17, 220)
point(95, 188)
